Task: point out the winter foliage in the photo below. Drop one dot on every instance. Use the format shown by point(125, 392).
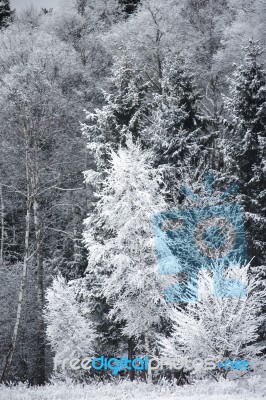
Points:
point(112, 112)
point(65, 314)
point(219, 328)
point(225, 390)
point(129, 198)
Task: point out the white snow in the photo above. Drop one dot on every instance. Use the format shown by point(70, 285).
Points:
point(252, 388)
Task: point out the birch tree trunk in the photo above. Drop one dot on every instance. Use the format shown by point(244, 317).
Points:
point(22, 289)
point(40, 330)
point(147, 346)
point(40, 360)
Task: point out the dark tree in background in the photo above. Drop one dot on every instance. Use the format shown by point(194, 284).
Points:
point(247, 106)
point(246, 144)
point(5, 13)
point(179, 131)
point(129, 6)
point(125, 109)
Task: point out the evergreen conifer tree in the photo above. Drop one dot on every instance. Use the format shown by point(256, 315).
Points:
point(122, 266)
point(179, 131)
point(124, 110)
point(247, 144)
point(219, 328)
point(69, 330)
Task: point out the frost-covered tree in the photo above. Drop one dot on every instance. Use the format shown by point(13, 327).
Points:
point(207, 19)
point(192, 28)
point(79, 23)
point(248, 23)
point(219, 328)
point(69, 331)
point(124, 110)
point(40, 77)
point(123, 262)
point(157, 38)
point(247, 143)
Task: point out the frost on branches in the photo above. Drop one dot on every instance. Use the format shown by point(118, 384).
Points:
point(69, 331)
point(124, 110)
point(245, 150)
point(219, 328)
point(122, 259)
point(179, 132)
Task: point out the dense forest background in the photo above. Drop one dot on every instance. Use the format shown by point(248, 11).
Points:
point(183, 80)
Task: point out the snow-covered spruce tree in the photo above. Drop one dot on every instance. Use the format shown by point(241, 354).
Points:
point(124, 109)
point(123, 262)
point(246, 153)
point(179, 132)
point(219, 328)
point(69, 330)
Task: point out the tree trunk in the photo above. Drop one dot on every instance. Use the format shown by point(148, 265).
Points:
point(40, 359)
point(76, 247)
point(147, 375)
point(39, 376)
point(23, 282)
point(2, 226)
point(131, 353)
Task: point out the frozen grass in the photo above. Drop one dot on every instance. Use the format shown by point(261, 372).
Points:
point(253, 388)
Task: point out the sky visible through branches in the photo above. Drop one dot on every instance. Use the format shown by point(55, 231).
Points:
point(21, 4)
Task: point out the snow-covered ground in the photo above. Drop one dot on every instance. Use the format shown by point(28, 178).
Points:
point(253, 388)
